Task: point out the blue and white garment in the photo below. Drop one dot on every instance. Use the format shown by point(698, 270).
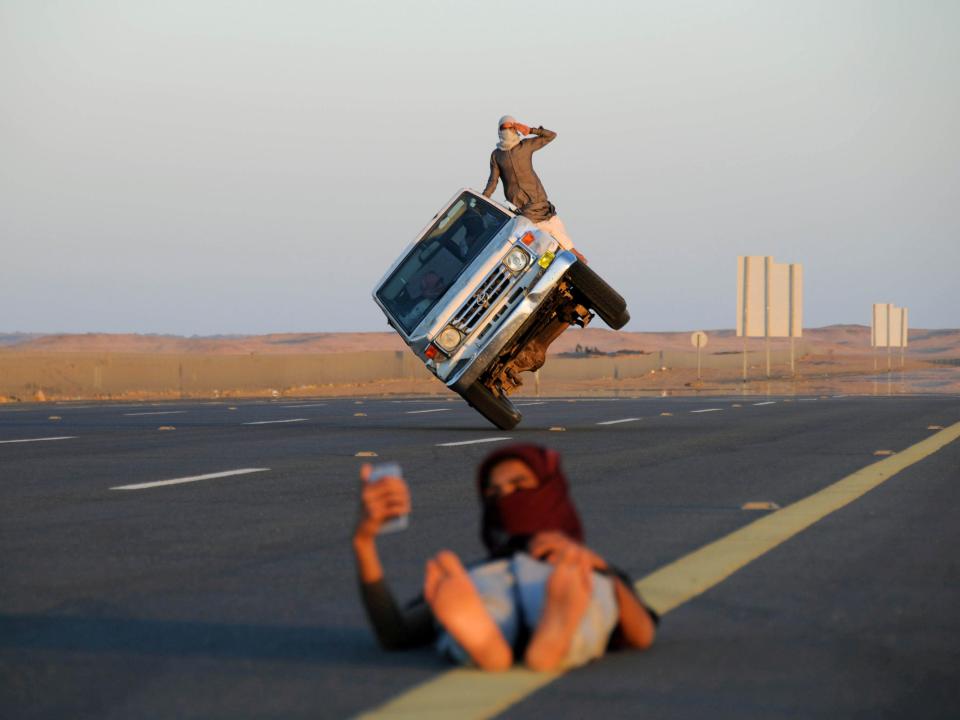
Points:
point(514, 591)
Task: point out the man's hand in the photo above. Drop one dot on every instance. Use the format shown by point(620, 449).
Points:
point(550, 546)
point(379, 501)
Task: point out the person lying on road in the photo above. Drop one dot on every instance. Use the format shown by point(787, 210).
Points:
point(540, 596)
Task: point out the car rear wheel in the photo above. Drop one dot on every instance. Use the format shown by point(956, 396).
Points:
point(498, 410)
point(599, 296)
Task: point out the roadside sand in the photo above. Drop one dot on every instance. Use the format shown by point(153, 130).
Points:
point(595, 361)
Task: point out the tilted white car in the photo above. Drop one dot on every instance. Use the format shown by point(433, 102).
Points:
point(481, 293)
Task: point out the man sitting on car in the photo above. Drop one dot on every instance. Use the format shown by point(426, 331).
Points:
point(512, 161)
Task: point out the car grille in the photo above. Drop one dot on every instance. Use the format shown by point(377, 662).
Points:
point(517, 294)
point(487, 295)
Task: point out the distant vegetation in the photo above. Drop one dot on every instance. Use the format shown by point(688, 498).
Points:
point(8, 339)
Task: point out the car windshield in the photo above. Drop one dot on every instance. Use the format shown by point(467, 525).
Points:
point(437, 260)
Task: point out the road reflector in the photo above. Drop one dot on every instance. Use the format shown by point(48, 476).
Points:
point(166, 427)
point(366, 453)
point(54, 417)
point(760, 505)
point(359, 414)
point(231, 408)
point(358, 402)
point(883, 452)
point(934, 427)
point(666, 414)
point(557, 428)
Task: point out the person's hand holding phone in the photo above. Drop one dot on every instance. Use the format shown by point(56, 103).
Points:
point(384, 498)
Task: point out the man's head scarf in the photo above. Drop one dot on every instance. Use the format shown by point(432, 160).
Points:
point(509, 138)
point(509, 521)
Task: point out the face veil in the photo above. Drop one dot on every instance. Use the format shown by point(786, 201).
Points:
point(510, 520)
point(509, 138)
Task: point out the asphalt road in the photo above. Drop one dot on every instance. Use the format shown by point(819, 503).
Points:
point(234, 596)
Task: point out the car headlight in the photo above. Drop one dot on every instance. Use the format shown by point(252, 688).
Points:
point(516, 260)
point(449, 339)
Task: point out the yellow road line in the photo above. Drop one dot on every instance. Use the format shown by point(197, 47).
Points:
point(699, 571)
point(463, 694)
point(473, 694)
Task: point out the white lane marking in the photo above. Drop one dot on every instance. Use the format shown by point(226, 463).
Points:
point(417, 412)
point(60, 437)
point(159, 412)
point(807, 399)
point(271, 422)
point(471, 442)
point(615, 422)
point(305, 405)
point(192, 478)
point(576, 400)
point(542, 402)
point(707, 410)
point(768, 402)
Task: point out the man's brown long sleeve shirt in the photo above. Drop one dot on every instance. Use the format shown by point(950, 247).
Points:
point(521, 186)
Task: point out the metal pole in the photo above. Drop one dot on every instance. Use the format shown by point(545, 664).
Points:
point(698, 358)
point(744, 315)
point(903, 334)
point(889, 306)
point(766, 308)
point(793, 369)
point(744, 357)
point(766, 340)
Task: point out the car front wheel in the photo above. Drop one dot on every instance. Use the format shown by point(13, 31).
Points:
point(498, 410)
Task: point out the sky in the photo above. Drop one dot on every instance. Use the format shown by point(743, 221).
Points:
point(232, 167)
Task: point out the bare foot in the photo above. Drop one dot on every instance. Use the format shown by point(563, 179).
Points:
point(568, 594)
point(456, 604)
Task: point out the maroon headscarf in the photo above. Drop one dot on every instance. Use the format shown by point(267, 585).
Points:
point(509, 521)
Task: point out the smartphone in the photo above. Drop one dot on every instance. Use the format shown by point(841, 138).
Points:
point(378, 473)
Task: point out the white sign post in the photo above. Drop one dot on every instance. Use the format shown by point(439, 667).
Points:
point(769, 302)
point(699, 340)
point(889, 329)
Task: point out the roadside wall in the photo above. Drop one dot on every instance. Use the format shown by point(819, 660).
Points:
point(23, 375)
point(96, 374)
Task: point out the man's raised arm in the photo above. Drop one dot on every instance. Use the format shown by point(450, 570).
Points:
point(541, 137)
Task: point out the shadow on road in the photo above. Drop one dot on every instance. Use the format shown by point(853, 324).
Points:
point(167, 638)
